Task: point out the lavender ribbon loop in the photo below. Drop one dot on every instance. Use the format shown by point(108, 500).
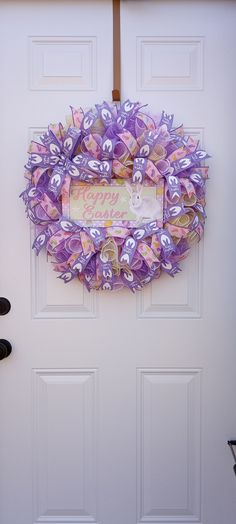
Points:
point(71, 141)
point(128, 251)
point(197, 179)
point(32, 193)
point(146, 231)
point(166, 242)
point(89, 118)
point(68, 146)
point(41, 160)
point(198, 207)
point(107, 148)
point(57, 180)
point(126, 111)
point(174, 188)
point(97, 235)
point(131, 280)
point(40, 209)
point(150, 140)
point(106, 273)
point(188, 161)
point(41, 240)
point(80, 174)
point(139, 170)
point(199, 155)
point(81, 262)
point(180, 249)
point(150, 274)
point(50, 141)
point(58, 157)
point(101, 168)
point(89, 272)
point(105, 114)
point(174, 211)
point(67, 225)
point(194, 224)
point(167, 120)
point(67, 276)
point(106, 286)
point(33, 217)
point(169, 267)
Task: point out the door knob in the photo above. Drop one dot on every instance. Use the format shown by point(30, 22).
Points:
point(5, 348)
point(232, 443)
point(5, 306)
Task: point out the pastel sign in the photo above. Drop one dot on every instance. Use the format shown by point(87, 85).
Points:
point(116, 203)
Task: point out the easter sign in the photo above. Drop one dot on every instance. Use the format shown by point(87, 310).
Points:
point(115, 204)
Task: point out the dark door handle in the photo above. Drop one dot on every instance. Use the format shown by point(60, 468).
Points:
point(5, 306)
point(5, 348)
point(232, 443)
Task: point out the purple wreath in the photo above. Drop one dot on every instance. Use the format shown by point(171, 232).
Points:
point(107, 143)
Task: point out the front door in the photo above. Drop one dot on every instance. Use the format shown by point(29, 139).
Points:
point(116, 408)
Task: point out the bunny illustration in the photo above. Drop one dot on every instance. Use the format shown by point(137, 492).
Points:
point(145, 208)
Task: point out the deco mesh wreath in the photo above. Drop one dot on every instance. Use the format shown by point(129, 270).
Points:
point(112, 147)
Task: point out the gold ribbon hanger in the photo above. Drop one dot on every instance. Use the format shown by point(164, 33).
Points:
point(116, 52)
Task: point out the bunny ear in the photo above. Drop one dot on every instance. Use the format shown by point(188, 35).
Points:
point(139, 188)
point(128, 187)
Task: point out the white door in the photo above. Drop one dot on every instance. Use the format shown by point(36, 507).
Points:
point(115, 408)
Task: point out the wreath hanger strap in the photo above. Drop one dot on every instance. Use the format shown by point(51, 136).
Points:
point(116, 51)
